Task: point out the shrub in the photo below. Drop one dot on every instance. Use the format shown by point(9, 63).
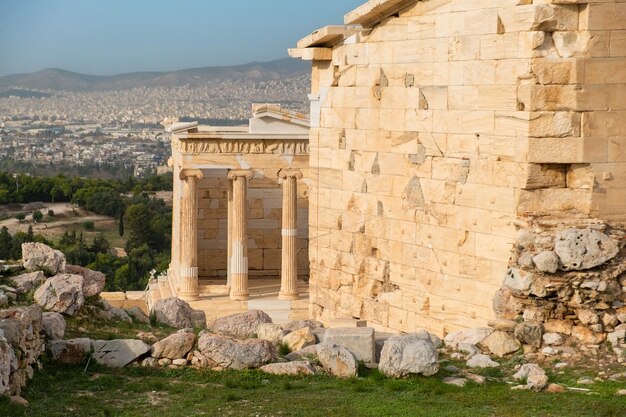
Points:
point(89, 225)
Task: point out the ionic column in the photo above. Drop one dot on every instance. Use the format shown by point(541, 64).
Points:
point(229, 234)
point(188, 282)
point(289, 258)
point(239, 236)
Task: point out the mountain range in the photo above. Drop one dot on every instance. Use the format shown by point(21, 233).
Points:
point(61, 80)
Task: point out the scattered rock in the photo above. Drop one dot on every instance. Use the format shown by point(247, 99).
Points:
point(478, 379)
point(174, 346)
point(149, 362)
point(173, 312)
point(337, 360)
point(73, 351)
point(179, 362)
point(555, 388)
point(471, 336)
point(225, 352)
point(358, 340)
point(29, 281)
point(481, 361)
point(553, 339)
point(147, 337)
point(272, 332)
point(526, 239)
point(62, 293)
point(452, 380)
point(4, 300)
point(616, 337)
point(118, 314)
point(241, 325)
point(549, 351)
point(298, 324)
point(138, 315)
point(529, 333)
point(8, 364)
point(53, 325)
point(500, 343)
point(621, 392)
point(584, 249)
point(289, 368)
point(93, 281)
point(536, 378)
point(119, 352)
point(39, 256)
point(412, 353)
point(547, 261)
point(299, 339)
point(309, 352)
point(164, 362)
point(17, 400)
point(585, 381)
point(467, 348)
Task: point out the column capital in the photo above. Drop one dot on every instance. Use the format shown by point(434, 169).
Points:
point(186, 173)
point(290, 173)
point(236, 173)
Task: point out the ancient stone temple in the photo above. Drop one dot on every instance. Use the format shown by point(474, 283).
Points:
point(468, 162)
point(239, 206)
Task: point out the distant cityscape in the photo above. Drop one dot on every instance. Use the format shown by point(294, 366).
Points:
point(46, 127)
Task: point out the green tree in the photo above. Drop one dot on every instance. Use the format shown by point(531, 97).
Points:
point(20, 217)
point(100, 244)
point(120, 229)
point(6, 244)
point(37, 216)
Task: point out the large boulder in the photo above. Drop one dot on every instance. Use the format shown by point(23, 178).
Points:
point(481, 361)
point(309, 353)
point(358, 340)
point(289, 368)
point(174, 346)
point(119, 352)
point(53, 325)
point(225, 352)
point(299, 339)
point(62, 293)
point(72, 351)
point(583, 249)
point(337, 360)
point(137, 315)
point(29, 281)
point(176, 313)
point(241, 325)
point(529, 333)
point(405, 354)
point(470, 336)
point(535, 377)
point(93, 281)
point(501, 343)
point(272, 332)
point(39, 256)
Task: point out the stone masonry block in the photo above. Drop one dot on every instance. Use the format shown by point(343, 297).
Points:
point(358, 340)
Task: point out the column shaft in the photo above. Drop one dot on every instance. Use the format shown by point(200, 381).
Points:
point(239, 241)
point(289, 258)
point(188, 282)
point(229, 234)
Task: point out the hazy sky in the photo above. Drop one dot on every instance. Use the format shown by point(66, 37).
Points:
point(115, 36)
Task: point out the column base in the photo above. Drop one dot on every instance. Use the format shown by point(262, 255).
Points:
point(188, 296)
point(239, 297)
point(288, 295)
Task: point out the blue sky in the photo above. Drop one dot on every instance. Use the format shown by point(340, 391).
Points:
point(115, 36)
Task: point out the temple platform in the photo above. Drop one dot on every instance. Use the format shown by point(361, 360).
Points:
point(215, 302)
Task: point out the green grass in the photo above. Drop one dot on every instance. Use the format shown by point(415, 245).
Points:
point(66, 390)
point(85, 325)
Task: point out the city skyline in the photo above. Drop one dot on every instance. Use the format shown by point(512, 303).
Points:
point(113, 37)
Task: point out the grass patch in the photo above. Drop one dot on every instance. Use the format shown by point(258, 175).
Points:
point(88, 325)
point(65, 390)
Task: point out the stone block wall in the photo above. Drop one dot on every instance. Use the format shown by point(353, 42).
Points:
point(264, 225)
point(443, 125)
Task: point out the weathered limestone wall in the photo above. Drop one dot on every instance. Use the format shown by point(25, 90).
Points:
point(439, 129)
point(264, 225)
